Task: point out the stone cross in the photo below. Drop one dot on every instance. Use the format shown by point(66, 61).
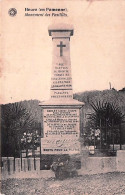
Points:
point(61, 48)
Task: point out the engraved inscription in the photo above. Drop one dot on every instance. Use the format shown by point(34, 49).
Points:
point(61, 122)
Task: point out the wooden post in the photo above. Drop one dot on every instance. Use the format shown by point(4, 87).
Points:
point(120, 136)
point(34, 153)
point(26, 146)
point(14, 156)
point(20, 152)
point(41, 133)
point(94, 138)
point(113, 133)
point(106, 134)
point(100, 135)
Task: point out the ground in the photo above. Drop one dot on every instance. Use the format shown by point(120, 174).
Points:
point(99, 184)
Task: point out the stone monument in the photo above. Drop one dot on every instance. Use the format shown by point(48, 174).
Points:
point(61, 113)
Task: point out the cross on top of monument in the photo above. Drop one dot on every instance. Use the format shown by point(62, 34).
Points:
point(61, 48)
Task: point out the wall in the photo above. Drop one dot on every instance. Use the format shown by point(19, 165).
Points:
point(10, 168)
point(95, 165)
point(89, 165)
point(120, 160)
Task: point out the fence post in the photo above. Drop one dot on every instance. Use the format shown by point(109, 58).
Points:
point(113, 133)
point(8, 166)
point(120, 136)
point(100, 135)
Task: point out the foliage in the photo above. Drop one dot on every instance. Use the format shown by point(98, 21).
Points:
point(63, 167)
point(111, 96)
point(21, 120)
point(15, 121)
point(104, 124)
point(106, 113)
point(91, 137)
point(30, 140)
point(15, 116)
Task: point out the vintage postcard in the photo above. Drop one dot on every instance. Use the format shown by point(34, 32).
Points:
point(62, 97)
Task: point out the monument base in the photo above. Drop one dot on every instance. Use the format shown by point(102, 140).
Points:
point(61, 127)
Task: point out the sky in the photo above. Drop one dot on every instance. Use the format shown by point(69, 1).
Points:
point(96, 48)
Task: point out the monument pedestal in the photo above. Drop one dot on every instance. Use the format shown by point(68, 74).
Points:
point(61, 127)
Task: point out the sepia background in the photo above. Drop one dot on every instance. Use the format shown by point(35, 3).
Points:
point(97, 62)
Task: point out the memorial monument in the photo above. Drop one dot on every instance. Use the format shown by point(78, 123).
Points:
point(61, 113)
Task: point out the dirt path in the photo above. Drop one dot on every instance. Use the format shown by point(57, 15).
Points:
point(100, 184)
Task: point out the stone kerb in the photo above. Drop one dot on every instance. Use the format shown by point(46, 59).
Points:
point(89, 165)
point(17, 164)
point(8, 170)
point(95, 165)
point(8, 165)
point(4, 168)
point(120, 160)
